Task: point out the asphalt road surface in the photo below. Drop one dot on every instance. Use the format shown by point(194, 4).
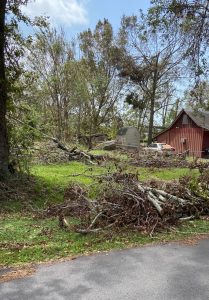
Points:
point(168, 272)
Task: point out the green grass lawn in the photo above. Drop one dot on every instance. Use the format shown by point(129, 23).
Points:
point(24, 239)
point(62, 174)
point(164, 174)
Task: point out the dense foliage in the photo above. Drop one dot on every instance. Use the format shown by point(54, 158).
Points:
point(140, 75)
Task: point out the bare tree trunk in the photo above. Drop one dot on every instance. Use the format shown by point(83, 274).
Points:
point(152, 104)
point(142, 122)
point(4, 148)
point(139, 123)
point(79, 122)
point(66, 129)
point(151, 120)
point(59, 118)
point(165, 112)
point(176, 108)
point(90, 134)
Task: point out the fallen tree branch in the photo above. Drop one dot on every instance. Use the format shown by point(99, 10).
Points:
point(155, 203)
point(167, 195)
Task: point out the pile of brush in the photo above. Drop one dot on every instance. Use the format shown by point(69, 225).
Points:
point(125, 202)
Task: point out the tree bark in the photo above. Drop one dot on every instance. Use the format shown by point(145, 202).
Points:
point(79, 122)
point(151, 120)
point(152, 104)
point(4, 148)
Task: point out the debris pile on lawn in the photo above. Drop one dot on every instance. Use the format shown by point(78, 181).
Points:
point(167, 162)
point(49, 153)
point(75, 204)
point(108, 145)
point(127, 203)
point(54, 151)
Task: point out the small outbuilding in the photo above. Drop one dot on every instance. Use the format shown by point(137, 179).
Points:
point(128, 137)
point(189, 133)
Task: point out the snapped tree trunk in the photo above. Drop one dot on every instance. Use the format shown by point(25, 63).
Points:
point(4, 148)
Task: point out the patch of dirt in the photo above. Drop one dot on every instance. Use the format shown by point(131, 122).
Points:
point(193, 241)
point(20, 246)
point(13, 246)
point(16, 274)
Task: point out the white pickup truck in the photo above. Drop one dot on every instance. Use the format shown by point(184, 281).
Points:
point(159, 147)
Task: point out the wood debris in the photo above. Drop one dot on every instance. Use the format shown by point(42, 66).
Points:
point(128, 203)
point(56, 152)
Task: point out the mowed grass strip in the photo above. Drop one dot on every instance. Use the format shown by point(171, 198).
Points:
point(61, 174)
point(24, 240)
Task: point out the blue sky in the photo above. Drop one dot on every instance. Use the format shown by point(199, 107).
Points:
point(77, 15)
point(113, 10)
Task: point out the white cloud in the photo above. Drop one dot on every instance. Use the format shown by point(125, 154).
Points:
point(68, 12)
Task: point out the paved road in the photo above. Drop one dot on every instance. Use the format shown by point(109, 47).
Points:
point(158, 272)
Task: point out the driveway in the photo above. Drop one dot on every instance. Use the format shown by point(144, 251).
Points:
point(171, 271)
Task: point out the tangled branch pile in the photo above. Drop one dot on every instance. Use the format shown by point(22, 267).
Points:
point(54, 151)
point(168, 162)
point(125, 202)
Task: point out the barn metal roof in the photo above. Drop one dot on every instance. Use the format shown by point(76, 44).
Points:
point(200, 118)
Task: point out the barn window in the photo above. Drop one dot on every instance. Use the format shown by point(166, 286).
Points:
point(185, 120)
point(183, 140)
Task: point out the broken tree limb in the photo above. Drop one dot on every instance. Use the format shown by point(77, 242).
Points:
point(155, 203)
point(187, 218)
point(63, 223)
point(166, 195)
point(85, 231)
point(94, 220)
point(140, 187)
point(73, 153)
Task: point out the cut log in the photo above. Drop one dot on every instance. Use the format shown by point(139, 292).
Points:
point(153, 200)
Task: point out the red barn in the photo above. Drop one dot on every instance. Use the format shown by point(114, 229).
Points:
point(188, 132)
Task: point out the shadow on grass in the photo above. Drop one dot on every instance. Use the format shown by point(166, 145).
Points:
point(28, 192)
point(46, 185)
